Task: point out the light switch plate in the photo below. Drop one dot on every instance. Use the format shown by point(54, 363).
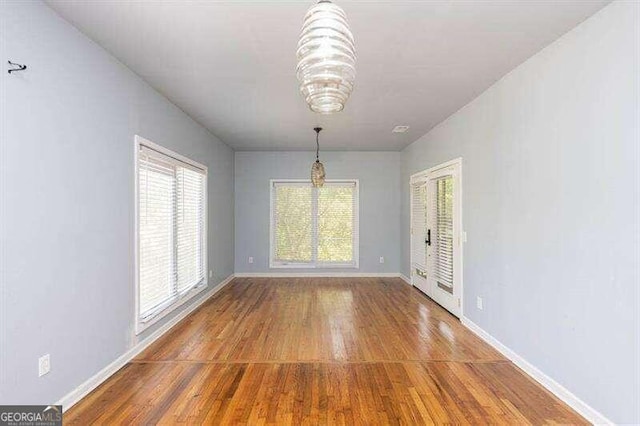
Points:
point(44, 365)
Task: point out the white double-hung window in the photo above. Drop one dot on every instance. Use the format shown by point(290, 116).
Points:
point(171, 210)
point(314, 227)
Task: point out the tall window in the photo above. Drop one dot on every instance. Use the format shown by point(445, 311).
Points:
point(314, 227)
point(172, 244)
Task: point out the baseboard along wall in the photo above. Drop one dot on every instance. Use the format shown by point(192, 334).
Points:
point(86, 387)
point(584, 409)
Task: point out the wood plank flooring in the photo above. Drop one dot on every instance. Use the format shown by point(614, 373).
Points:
point(320, 351)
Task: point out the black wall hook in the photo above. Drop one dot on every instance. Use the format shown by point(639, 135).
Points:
point(20, 67)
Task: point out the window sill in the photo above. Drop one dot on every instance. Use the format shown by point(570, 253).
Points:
point(181, 300)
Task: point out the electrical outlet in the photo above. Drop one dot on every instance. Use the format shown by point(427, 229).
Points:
point(210, 273)
point(381, 259)
point(44, 365)
point(250, 259)
point(479, 302)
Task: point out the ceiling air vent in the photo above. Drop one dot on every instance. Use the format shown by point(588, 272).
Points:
point(400, 129)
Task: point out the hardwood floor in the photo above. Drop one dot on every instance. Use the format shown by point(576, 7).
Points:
point(320, 351)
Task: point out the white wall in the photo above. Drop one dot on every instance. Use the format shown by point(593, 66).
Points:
point(67, 216)
point(379, 179)
point(551, 208)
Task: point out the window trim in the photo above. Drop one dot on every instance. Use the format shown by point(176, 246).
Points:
point(273, 264)
point(178, 300)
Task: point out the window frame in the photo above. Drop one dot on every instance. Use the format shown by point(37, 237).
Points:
point(179, 299)
point(314, 264)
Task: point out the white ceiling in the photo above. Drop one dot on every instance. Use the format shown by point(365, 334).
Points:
point(231, 64)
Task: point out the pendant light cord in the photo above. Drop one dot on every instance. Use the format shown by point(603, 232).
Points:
point(317, 129)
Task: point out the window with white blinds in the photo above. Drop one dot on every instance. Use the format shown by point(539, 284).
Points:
point(171, 196)
point(314, 227)
point(442, 210)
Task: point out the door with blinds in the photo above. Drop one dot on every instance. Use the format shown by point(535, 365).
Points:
point(419, 233)
point(436, 229)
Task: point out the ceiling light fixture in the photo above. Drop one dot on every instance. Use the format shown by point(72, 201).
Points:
point(326, 58)
point(317, 169)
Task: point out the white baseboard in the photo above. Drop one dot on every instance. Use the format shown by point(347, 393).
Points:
point(316, 274)
point(83, 390)
point(588, 412)
point(405, 279)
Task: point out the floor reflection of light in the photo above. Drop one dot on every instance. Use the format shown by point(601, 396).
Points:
point(337, 305)
point(339, 350)
point(423, 323)
point(446, 331)
point(424, 339)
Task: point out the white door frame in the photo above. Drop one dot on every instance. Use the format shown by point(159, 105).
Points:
point(460, 237)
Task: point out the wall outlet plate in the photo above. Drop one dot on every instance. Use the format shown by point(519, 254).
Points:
point(250, 259)
point(381, 259)
point(479, 302)
point(44, 365)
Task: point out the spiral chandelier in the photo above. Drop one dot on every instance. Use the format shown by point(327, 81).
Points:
point(326, 58)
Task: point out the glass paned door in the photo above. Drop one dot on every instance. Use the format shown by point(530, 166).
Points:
point(436, 251)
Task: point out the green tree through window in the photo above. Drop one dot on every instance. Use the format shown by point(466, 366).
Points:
point(314, 226)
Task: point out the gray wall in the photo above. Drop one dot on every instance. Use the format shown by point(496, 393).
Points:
point(379, 175)
point(550, 199)
point(67, 216)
